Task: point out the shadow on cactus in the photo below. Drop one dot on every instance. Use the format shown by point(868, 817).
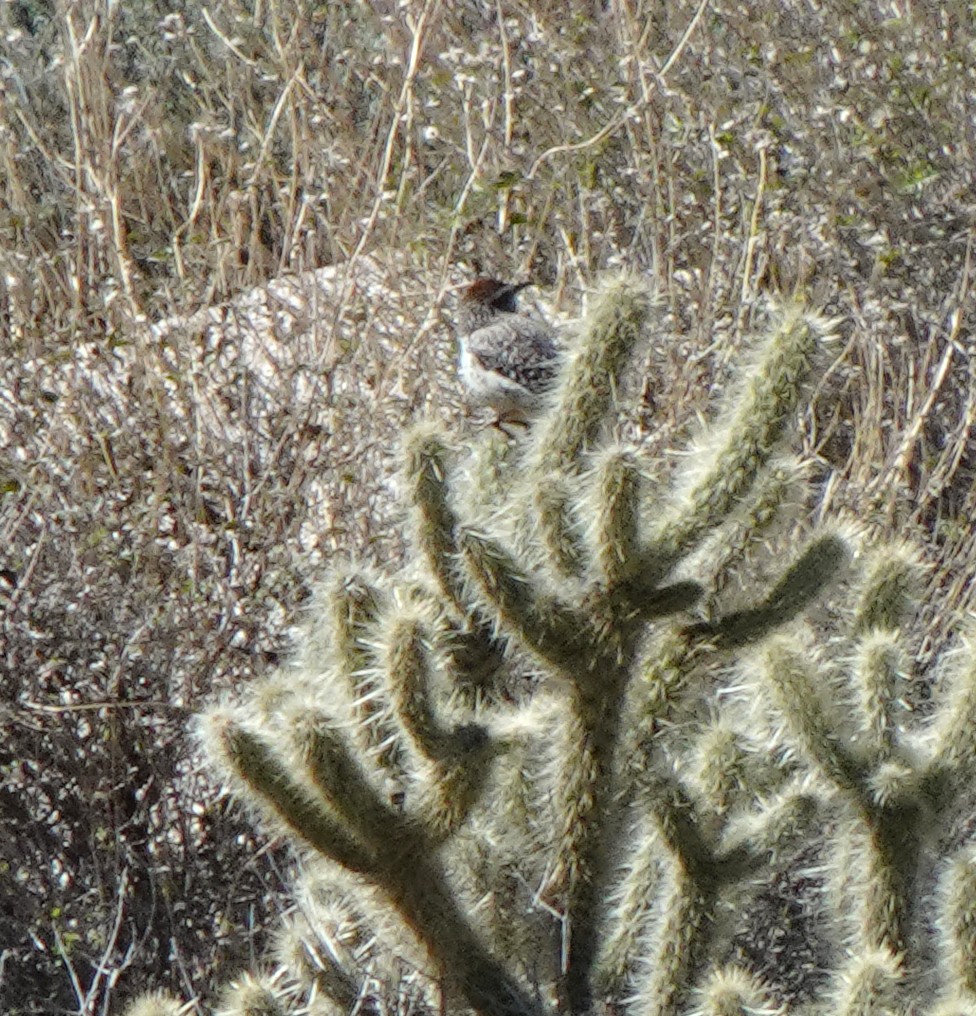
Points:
point(590, 836)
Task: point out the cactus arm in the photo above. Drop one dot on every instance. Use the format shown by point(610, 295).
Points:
point(591, 377)
point(801, 583)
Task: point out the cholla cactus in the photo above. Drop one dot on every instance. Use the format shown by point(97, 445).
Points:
point(550, 765)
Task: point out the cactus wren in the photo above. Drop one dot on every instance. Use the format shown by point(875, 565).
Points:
point(508, 360)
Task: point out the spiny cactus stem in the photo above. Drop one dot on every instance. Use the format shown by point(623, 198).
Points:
point(421, 893)
point(401, 864)
point(803, 581)
point(886, 598)
point(554, 509)
point(893, 828)
point(788, 673)
point(591, 828)
point(590, 745)
point(624, 928)
point(872, 981)
point(426, 472)
point(791, 821)
point(753, 431)
point(953, 763)
point(774, 486)
point(678, 829)
point(877, 668)
point(587, 898)
point(733, 992)
point(353, 606)
point(345, 786)
point(960, 920)
point(407, 666)
point(303, 951)
point(457, 786)
point(895, 839)
point(645, 603)
point(264, 772)
point(617, 494)
point(610, 333)
point(683, 941)
point(553, 631)
point(659, 687)
point(475, 656)
point(699, 874)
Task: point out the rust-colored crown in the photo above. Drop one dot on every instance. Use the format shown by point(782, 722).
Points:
point(493, 293)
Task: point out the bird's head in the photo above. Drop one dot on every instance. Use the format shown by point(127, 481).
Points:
point(499, 296)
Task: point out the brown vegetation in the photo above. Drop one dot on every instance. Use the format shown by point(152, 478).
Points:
point(226, 234)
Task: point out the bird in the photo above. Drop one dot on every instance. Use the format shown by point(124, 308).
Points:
point(507, 360)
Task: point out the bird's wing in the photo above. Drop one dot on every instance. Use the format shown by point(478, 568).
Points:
point(521, 350)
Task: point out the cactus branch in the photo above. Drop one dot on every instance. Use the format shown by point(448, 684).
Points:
point(803, 581)
point(427, 454)
point(266, 774)
point(552, 630)
point(617, 503)
point(752, 434)
point(554, 503)
point(610, 332)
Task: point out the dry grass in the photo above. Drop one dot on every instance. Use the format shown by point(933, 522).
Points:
point(185, 444)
